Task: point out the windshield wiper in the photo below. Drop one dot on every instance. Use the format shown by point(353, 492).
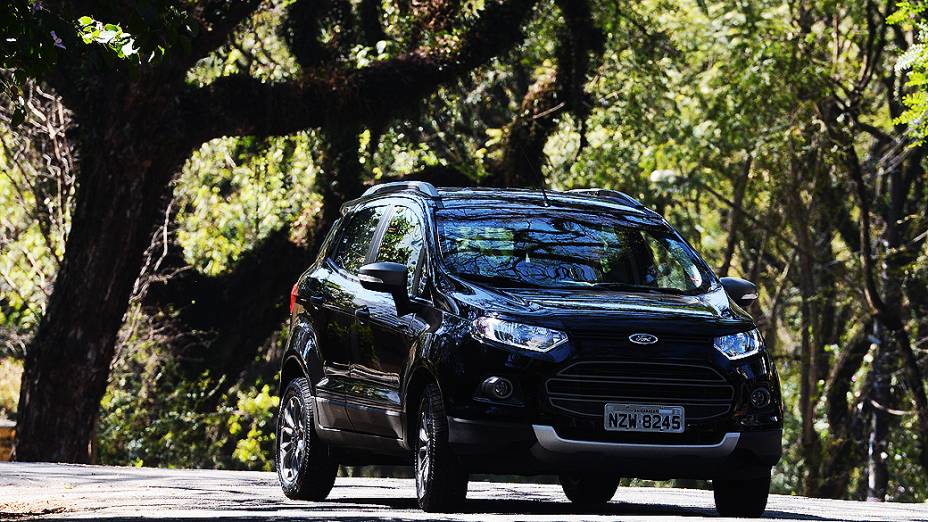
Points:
point(496, 281)
point(638, 288)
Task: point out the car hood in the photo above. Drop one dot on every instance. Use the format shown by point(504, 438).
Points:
point(594, 309)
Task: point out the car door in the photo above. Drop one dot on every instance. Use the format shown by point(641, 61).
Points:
point(334, 289)
point(386, 339)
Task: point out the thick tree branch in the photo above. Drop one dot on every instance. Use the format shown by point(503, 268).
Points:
point(551, 94)
point(366, 96)
point(734, 217)
point(369, 13)
point(582, 37)
point(303, 31)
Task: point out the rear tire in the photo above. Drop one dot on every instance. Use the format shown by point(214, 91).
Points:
point(741, 498)
point(589, 489)
point(441, 484)
point(305, 469)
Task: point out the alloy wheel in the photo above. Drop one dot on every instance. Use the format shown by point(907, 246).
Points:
point(424, 451)
point(292, 440)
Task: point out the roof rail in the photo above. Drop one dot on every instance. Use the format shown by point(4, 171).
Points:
point(422, 187)
point(615, 195)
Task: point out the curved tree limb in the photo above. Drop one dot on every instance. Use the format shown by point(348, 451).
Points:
point(366, 96)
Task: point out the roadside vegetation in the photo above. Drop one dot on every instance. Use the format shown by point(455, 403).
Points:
point(184, 162)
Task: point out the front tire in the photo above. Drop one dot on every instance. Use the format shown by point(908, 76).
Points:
point(305, 469)
point(589, 490)
point(741, 498)
point(441, 484)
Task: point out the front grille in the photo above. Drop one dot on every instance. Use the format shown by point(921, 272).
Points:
point(584, 388)
point(611, 338)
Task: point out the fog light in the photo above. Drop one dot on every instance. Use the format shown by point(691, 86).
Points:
point(760, 397)
point(497, 387)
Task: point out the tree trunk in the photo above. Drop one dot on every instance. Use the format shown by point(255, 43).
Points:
point(846, 449)
point(67, 365)
point(734, 215)
point(803, 229)
point(878, 445)
point(123, 183)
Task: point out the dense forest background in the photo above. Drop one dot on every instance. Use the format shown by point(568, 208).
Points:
point(167, 167)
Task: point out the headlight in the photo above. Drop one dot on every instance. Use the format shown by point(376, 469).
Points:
point(527, 337)
point(740, 345)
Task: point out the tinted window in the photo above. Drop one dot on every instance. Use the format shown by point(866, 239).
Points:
point(327, 244)
point(564, 249)
point(355, 240)
point(402, 241)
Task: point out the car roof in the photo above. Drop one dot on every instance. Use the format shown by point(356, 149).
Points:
point(467, 197)
point(484, 197)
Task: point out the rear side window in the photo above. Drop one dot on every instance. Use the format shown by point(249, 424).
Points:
point(355, 240)
point(402, 241)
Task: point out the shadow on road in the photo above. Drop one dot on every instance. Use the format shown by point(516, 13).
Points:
point(56, 492)
point(546, 507)
point(365, 509)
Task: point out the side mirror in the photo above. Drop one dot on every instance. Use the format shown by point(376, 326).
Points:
point(742, 292)
point(383, 277)
point(389, 278)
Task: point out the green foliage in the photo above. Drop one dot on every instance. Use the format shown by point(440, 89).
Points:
point(109, 35)
point(154, 414)
point(28, 49)
point(908, 481)
point(234, 191)
point(255, 412)
point(35, 195)
point(27, 263)
point(911, 15)
point(255, 48)
point(10, 373)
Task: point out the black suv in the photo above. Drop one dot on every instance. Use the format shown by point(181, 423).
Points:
point(523, 332)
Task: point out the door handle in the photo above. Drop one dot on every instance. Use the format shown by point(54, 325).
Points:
point(363, 313)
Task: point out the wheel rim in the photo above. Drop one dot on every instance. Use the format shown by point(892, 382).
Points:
point(424, 451)
point(292, 445)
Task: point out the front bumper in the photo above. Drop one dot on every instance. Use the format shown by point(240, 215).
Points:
point(494, 447)
point(568, 387)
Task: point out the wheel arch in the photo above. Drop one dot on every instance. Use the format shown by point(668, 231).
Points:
point(301, 357)
point(418, 380)
point(291, 369)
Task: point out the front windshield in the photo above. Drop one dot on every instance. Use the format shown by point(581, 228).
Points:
point(566, 249)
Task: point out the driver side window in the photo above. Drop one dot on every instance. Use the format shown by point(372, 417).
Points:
point(355, 240)
point(402, 242)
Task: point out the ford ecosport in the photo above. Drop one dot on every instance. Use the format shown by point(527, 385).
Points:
point(523, 332)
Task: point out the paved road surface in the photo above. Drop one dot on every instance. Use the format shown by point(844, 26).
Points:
point(56, 491)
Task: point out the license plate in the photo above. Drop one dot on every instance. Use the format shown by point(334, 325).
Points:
point(644, 417)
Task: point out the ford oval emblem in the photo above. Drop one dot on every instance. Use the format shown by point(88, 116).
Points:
point(642, 338)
